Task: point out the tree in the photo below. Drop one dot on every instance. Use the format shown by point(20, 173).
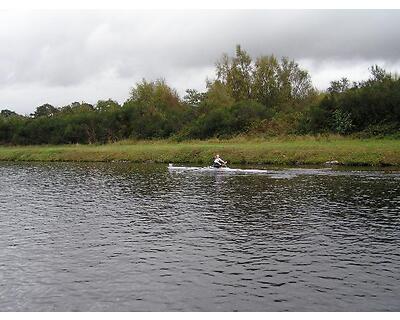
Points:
point(342, 121)
point(156, 94)
point(193, 97)
point(339, 86)
point(379, 74)
point(107, 105)
point(295, 83)
point(364, 105)
point(7, 113)
point(218, 95)
point(236, 74)
point(45, 110)
point(266, 85)
point(267, 80)
point(153, 110)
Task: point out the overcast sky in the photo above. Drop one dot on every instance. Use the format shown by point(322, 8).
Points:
point(58, 57)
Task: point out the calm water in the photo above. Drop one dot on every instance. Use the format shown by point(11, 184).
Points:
point(96, 237)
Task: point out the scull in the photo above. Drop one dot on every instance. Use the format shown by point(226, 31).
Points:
point(171, 167)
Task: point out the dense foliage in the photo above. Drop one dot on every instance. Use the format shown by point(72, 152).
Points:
point(265, 96)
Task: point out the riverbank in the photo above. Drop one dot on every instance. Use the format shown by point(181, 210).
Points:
point(278, 151)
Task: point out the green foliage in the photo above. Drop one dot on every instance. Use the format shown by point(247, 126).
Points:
point(236, 74)
point(7, 113)
point(266, 84)
point(107, 106)
point(193, 98)
point(287, 150)
point(227, 120)
point(339, 86)
point(280, 124)
point(380, 130)
point(342, 121)
point(45, 110)
point(262, 97)
point(356, 107)
point(153, 110)
point(217, 96)
point(267, 80)
point(155, 94)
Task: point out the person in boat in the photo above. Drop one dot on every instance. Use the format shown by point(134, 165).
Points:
point(218, 162)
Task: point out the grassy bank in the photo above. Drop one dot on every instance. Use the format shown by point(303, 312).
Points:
point(289, 151)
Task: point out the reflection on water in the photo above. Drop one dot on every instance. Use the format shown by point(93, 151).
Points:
point(120, 237)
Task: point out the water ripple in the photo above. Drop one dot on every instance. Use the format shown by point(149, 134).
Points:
point(116, 237)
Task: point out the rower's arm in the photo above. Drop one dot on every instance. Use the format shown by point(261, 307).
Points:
point(220, 161)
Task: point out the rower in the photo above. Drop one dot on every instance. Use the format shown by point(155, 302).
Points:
point(218, 162)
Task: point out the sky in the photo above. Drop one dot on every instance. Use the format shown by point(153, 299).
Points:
point(59, 57)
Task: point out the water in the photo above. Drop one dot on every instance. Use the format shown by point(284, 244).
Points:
point(116, 237)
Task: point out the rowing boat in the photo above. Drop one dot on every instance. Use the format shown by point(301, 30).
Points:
point(171, 167)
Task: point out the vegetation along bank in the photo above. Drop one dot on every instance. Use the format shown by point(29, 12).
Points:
point(242, 114)
point(276, 151)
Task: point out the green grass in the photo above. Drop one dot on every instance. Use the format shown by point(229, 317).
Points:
point(282, 151)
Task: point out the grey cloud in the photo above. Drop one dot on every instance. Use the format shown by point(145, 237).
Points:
point(59, 49)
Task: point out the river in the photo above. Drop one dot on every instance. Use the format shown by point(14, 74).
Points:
point(128, 237)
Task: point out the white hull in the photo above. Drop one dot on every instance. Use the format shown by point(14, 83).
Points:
point(171, 167)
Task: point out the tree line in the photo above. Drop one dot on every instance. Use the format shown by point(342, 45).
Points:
point(265, 96)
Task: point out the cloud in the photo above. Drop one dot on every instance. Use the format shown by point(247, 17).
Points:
point(65, 56)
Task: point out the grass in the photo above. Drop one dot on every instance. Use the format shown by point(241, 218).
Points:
point(279, 151)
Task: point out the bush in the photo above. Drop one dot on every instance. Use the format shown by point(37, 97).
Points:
point(342, 122)
point(380, 130)
point(280, 124)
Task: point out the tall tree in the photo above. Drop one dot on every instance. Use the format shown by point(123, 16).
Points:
point(339, 86)
point(153, 110)
point(155, 94)
point(236, 74)
point(107, 105)
point(193, 97)
point(45, 110)
point(295, 83)
point(7, 113)
point(266, 85)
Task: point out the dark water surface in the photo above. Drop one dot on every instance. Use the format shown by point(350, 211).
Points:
point(117, 237)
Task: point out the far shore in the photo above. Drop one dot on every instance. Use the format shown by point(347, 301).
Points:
point(275, 151)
